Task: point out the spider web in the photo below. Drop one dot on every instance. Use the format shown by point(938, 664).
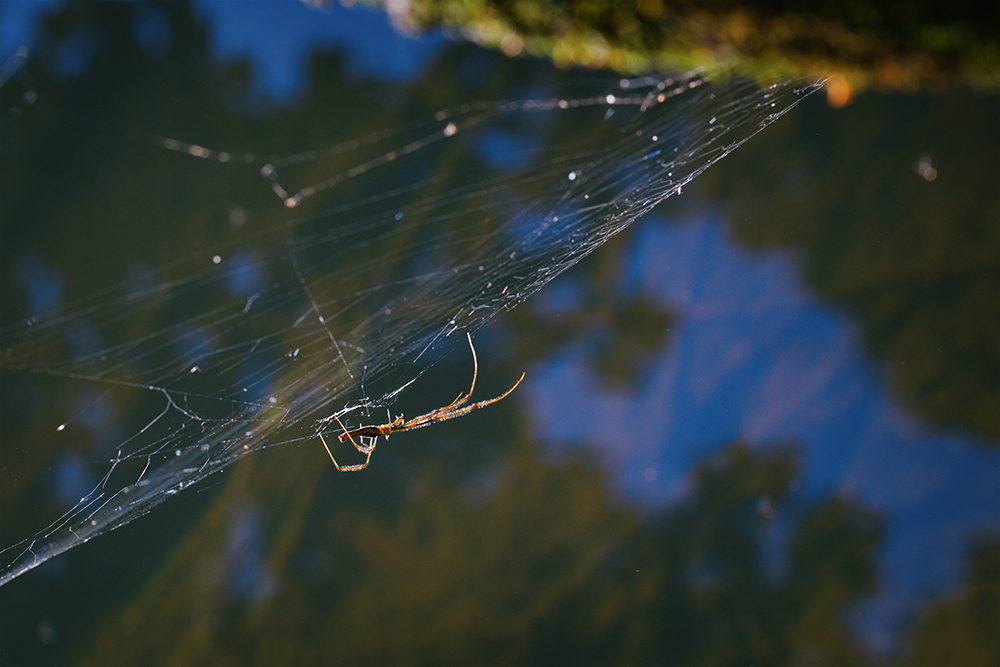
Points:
point(373, 271)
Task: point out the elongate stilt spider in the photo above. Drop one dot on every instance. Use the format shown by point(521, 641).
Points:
point(456, 408)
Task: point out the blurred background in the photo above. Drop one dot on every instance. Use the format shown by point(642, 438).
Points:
point(761, 426)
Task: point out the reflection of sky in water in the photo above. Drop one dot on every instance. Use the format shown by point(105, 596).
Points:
point(503, 150)
point(83, 339)
point(152, 28)
point(256, 379)
point(98, 414)
point(278, 37)
point(192, 344)
point(754, 356)
point(244, 563)
point(514, 146)
point(74, 53)
point(42, 284)
point(560, 296)
point(19, 23)
point(243, 275)
point(72, 479)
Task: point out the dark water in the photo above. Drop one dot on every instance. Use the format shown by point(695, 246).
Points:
point(761, 426)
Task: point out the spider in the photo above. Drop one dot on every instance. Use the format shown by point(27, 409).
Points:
point(456, 408)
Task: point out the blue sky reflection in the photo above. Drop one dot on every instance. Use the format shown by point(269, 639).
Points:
point(755, 357)
point(278, 38)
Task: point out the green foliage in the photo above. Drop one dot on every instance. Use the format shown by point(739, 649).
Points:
point(962, 628)
point(896, 45)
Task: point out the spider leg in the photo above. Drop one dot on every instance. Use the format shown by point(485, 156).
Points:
point(366, 449)
point(482, 404)
point(389, 424)
point(475, 365)
point(446, 411)
point(327, 447)
point(438, 416)
point(361, 448)
point(475, 373)
point(349, 468)
point(462, 398)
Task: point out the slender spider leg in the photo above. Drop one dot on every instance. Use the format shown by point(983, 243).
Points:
point(420, 422)
point(389, 415)
point(462, 398)
point(350, 468)
point(361, 448)
point(482, 404)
